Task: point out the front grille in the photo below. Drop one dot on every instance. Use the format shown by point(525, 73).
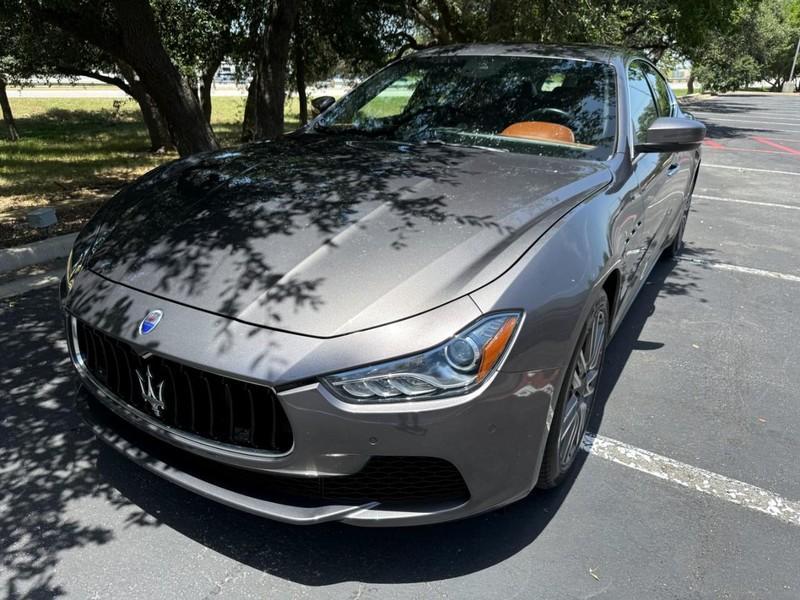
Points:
point(198, 402)
point(394, 481)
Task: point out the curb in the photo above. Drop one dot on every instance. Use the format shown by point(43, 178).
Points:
point(690, 98)
point(12, 259)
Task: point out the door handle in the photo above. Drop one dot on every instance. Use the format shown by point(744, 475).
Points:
point(672, 169)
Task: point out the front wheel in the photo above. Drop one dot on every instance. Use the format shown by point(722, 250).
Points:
point(577, 396)
point(675, 247)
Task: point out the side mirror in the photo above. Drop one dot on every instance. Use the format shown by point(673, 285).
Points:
point(322, 103)
point(673, 134)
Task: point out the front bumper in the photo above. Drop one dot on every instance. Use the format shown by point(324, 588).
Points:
point(496, 454)
point(494, 437)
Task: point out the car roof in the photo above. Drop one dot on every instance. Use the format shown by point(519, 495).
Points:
point(589, 52)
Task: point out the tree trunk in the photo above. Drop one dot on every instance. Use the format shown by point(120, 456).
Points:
point(270, 80)
point(501, 21)
point(690, 83)
point(656, 54)
point(157, 128)
point(254, 42)
point(249, 120)
point(8, 116)
point(204, 86)
point(300, 71)
point(130, 34)
point(191, 82)
point(302, 98)
point(175, 99)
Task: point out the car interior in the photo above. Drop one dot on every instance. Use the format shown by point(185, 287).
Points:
point(516, 99)
point(495, 101)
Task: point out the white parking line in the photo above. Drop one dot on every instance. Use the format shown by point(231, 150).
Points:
point(794, 123)
point(763, 112)
point(777, 119)
point(705, 164)
point(738, 201)
point(769, 114)
point(693, 478)
point(749, 270)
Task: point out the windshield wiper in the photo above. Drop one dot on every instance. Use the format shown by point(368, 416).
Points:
point(461, 145)
point(350, 129)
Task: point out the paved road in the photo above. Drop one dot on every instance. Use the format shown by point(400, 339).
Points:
point(703, 372)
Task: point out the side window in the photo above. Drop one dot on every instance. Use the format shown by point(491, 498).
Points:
point(661, 90)
point(643, 106)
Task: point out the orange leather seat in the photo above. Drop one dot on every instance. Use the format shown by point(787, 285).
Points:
point(540, 130)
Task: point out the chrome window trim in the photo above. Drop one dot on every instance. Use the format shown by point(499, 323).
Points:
point(631, 127)
point(186, 441)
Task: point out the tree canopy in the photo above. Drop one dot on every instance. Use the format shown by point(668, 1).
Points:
point(165, 53)
point(760, 46)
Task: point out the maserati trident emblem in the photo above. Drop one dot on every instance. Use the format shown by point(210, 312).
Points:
point(150, 322)
point(151, 395)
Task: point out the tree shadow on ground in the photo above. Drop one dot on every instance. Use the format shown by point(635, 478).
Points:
point(46, 454)
point(724, 105)
point(670, 277)
point(331, 553)
point(50, 460)
point(723, 132)
point(47, 457)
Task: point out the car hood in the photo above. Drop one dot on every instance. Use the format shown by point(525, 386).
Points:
point(323, 236)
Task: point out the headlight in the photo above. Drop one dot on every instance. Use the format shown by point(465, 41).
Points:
point(78, 256)
point(71, 270)
point(75, 261)
point(454, 367)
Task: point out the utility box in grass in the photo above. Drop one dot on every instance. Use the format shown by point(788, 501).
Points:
point(42, 217)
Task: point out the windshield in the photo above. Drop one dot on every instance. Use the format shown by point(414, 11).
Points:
point(534, 105)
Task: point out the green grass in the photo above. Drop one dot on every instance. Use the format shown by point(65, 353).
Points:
point(64, 86)
point(93, 143)
point(75, 152)
point(383, 106)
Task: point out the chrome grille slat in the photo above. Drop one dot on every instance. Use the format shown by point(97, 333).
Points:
point(131, 377)
point(209, 399)
point(112, 351)
point(198, 402)
point(95, 355)
point(252, 408)
point(169, 383)
point(229, 406)
point(273, 434)
point(192, 403)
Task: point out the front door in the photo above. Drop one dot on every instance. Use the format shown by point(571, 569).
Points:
point(655, 172)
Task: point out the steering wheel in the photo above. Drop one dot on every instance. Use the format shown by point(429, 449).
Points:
point(551, 109)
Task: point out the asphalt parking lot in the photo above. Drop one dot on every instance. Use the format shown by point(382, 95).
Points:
point(690, 490)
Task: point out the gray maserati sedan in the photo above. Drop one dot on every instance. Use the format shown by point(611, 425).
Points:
point(397, 314)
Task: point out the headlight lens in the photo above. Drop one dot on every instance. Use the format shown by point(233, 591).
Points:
point(78, 255)
point(455, 367)
point(71, 270)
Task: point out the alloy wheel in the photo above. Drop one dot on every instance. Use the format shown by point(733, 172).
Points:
point(583, 385)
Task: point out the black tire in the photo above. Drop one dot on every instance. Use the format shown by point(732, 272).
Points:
point(676, 245)
point(564, 439)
